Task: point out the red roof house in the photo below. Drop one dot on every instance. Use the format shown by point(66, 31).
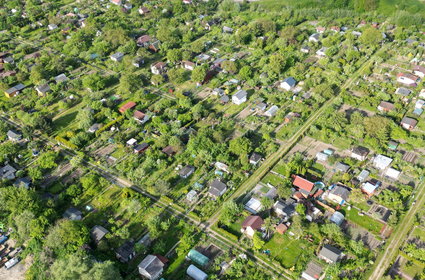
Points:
point(305, 186)
point(127, 106)
point(251, 224)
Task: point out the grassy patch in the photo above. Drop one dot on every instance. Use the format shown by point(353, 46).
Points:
point(413, 269)
point(56, 188)
point(272, 179)
point(280, 168)
point(286, 249)
point(364, 221)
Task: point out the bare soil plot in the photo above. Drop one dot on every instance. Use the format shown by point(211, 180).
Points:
point(244, 113)
point(205, 93)
point(105, 150)
point(357, 233)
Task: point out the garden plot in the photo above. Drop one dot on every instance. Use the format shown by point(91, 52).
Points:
point(349, 110)
point(205, 93)
point(105, 151)
point(357, 233)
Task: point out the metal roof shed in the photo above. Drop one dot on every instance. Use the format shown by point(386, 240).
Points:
point(198, 258)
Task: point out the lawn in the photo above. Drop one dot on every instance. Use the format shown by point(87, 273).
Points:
point(235, 228)
point(66, 118)
point(419, 232)
point(272, 179)
point(286, 249)
point(364, 221)
point(413, 269)
point(280, 168)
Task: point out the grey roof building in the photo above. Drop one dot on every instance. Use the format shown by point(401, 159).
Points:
point(73, 214)
point(330, 254)
point(151, 267)
point(217, 188)
point(187, 171)
point(97, 233)
point(14, 135)
point(7, 172)
point(126, 252)
point(313, 271)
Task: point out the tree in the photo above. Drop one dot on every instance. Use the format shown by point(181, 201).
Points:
point(94, 82)
point(230, 66)
point(371, 36)
point(177, 75)
point(37, 74)
point(357, 195)
point(157, 79)
point(7, 150)
point(229, 212)
point(241, 146)
point(23, 225)
point(84, 118)
point(47, 160)
point(80, 266)
point(199, 73)
point(266, 202)
point(129, 83)
point(174, 55)
point(245, 73)
point(300, 209)
point(257, 241)
point(67, 236)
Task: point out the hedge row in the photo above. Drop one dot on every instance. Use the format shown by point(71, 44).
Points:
point(66, 143)
point(108, 125)
point(225, 233)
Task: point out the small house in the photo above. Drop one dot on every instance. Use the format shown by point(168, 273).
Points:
point(125, 252)
point(224, 99)
point(188, 65)
point(419, 104)
point(255, 158)
point(363, 175)
point(42, 89)
point(144, 11)
point(61, 78)
point(73, 214)
point(290, 116)
point(23, 182)
point(192, 196)
point(403, 91)
point(305, 49)
point(369, 188)
point(14, 90)
point(132, 142)
point(360, 153)
point(140, 117)
point(253, 205)
point(339, 194)
point(322, 51)
point(419, 71)
point(408, 123)
point(320, 29)
point(288, 83)
point(144, 41)
point(186, 171)
point(320, 156)
point(239, 97)
point(117, 57)
point(97, 233)
point(392, 145)
point(385, 106)
point(407, 79)
point(218, 92)
point(127, 106)
point(392, 173)
point(7, 172)
point(52, 26)
point(217, 188)
point(313, 271)
point(169, 151)
point(140, 148)
point(281, 228)
point(330, 254)
point(251, 224)
point(314, 38)
point(285, 209)
point(152, 266)
point(381, 162)
point(138, 62)
point(271, 111)
point(227, 29)
point(342, 167)
point(306, 187)
point(158, 68)
point(261, 106)
point(95, 127)
point(14, 136)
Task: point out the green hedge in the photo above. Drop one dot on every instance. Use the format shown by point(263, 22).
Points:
point(66, 143)
point(109, 124)
point(226, 234)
